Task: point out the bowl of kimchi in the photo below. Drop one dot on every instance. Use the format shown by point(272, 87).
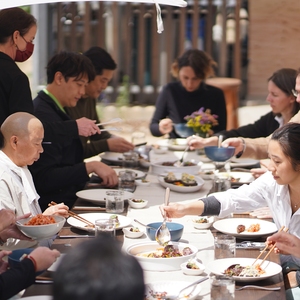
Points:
point(41, 227)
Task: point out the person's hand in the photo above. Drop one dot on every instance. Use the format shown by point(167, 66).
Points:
point(234, 142)
point(59, 210)
point(13, 232)
point(44, 257)
point(3, 263)
point(87, 127)
point(285, 243)
point(165, 126)
point(118, 144)
point(197, 142)
point(107, 174)
point(7, 218)
point(173, 210)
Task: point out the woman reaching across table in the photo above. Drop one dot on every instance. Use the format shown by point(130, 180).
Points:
point(188, 94)
point(278, 189)
point(17, 32)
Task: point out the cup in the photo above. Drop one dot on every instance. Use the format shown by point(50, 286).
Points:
point(221, 183)
point(105, 226)
point(114, 202)
point(224, 246)
point(222, 287)
point(130, 160)
point(127, 181)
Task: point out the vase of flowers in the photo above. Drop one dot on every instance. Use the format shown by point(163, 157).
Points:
point(202, 122)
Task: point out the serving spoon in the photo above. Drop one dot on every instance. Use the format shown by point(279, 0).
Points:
point(162, 235)
point(179, 162)
point(147, 226)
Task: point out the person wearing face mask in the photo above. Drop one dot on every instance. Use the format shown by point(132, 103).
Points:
point(17, 32)
point(188, 94)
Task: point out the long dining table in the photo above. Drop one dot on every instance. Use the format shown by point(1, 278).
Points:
point(202, 239)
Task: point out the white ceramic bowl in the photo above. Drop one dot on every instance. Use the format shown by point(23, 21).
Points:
point(39, 232)
point(134, 204)
point(207, 225)
point(160, 150)
point(158, 168)
point(132, 234)
point(142, 182)
point(144, 163)
point(160, 264)
point(189, 271)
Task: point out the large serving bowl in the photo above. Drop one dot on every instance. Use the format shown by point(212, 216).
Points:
point(160, 264)
point(182, 130)
point(159, 168)
point(38, 232)
point(176, 230)
point(216, 153)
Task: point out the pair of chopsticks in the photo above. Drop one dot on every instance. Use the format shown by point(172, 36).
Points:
point(272, 248)
point(75, 216)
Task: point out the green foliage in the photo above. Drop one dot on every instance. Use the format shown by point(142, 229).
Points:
point(123, 98)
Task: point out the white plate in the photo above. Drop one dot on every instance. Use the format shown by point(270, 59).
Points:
point(138, 174)
point(92, 217)
point(98, 196)
point(220, 265)
point(112, 156)
point(244, 177)
point(177, 144)
point(39, 297)
point(172, 288)
point(181, 189)
point(229, 226)
point(54, 266)
point(242, 162)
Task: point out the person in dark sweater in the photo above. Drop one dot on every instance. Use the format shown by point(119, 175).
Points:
point(61, 172)
point(189, 94)
point(283, 104)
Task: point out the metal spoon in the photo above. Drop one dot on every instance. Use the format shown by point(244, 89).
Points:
point(162, 235)
point(220, 140)
point(277, 288)
point(179, 162)
point(144, 224)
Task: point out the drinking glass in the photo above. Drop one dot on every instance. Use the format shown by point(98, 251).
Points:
point(114, 202)
point(130, 160)
point(105, 226)
point(127, 181)
point(222, 287)
point(224, 246)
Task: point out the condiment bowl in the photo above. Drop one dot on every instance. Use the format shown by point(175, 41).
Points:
point(132, 234)
point(188, 271)
point(204, 225)
point(176, 230)
point(134, 203)
point(216, 153)
point(39, 232)
point(142, 182)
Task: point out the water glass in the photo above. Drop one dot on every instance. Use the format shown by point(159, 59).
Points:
point(222, 287)
point(130, 160)
point(221, 183)
point(127, 181)
point(107, 226)
point(114, 202)
point(224, 246)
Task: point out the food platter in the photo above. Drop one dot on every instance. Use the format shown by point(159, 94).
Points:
point(229, 226)
point(92, 217)
point(241, 177)
point(181, 189)
point(171, 289)
point(97, 196)
point(242, 162)
point(218, 267)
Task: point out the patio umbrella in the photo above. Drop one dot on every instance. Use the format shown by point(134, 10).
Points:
point(160, 28)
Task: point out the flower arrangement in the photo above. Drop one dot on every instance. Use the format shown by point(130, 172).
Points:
point(202, 121)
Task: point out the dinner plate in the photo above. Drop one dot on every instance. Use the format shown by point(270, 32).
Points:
point(112, 156)
point(92, 217)
point(171, 288)
point(181, 189)
point(229, 226)
point(242, 162)
point(97, 196)
point(138, 174)
point(39, 297)
point(218, 267)
point(173, 144)
point(241, 177)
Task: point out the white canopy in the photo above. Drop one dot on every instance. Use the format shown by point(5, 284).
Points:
point(160, 26)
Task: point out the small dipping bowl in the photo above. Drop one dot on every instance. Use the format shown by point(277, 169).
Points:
point(176, 230)
point(182, 130)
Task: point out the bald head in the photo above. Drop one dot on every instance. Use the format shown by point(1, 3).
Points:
point(22, 132)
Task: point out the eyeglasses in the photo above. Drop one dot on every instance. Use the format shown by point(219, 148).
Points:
point(295, 93)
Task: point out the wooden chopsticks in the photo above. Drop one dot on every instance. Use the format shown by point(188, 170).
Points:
point(75, 216)
point(271, 249)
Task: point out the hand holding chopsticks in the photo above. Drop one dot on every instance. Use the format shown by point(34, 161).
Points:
point(272, 248)
point(90, 224)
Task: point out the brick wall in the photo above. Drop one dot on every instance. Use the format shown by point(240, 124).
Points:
point(274, 41)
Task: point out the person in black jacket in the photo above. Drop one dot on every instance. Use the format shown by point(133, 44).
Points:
point(283, 104)
point(60, 172)
point(188, 94)
point(17, 32)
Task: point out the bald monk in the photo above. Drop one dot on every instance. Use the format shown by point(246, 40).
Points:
point(21, 139)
